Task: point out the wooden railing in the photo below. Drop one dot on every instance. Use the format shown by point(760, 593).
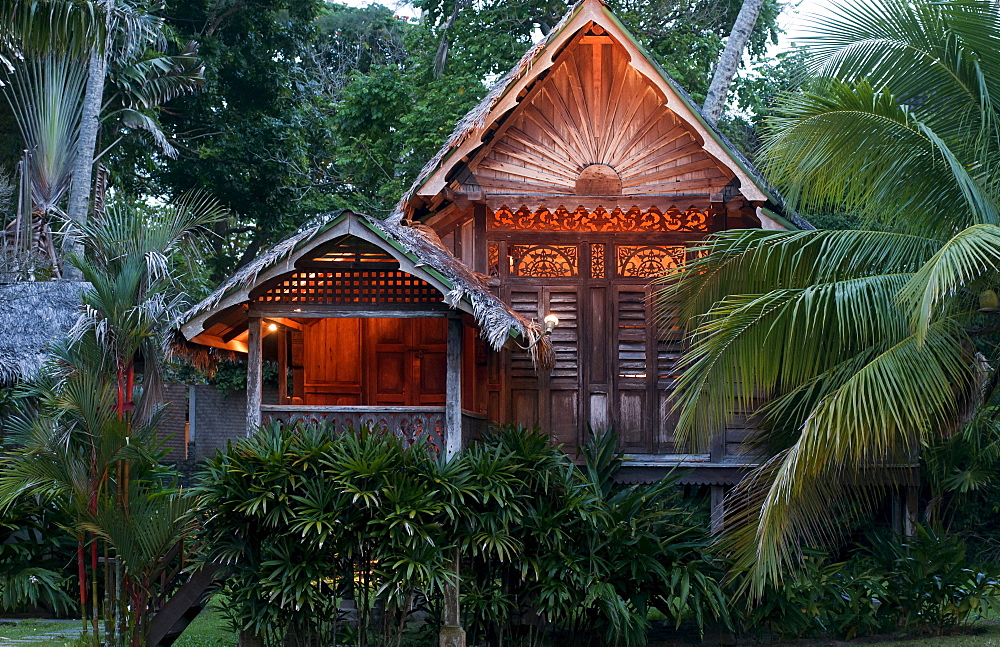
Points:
point(409, 423)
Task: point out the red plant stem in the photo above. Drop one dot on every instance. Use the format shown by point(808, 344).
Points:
point(121, 392)
point(81, 572)
point(130, 383)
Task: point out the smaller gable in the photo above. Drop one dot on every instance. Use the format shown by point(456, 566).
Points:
point(352, 260)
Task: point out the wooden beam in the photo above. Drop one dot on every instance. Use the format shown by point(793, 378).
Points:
point(369, 311)
point(233, 333)
point(479, 237)
point(661, 201)
point(254, 377)
point(453, 390)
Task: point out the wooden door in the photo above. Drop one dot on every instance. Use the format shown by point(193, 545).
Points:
point(407, 361)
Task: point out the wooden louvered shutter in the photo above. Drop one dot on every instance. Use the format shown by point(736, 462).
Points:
point(550, 400)
point(632, 392)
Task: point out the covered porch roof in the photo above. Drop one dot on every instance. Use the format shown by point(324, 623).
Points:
point(415, 248)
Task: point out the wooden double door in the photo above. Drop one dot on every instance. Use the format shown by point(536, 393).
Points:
point(375, 361)
point(613, 364)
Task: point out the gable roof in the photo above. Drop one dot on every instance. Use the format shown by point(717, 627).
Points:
point(506, 94)
point(417, 250)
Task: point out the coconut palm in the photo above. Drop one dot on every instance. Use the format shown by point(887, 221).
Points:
point(854, 349)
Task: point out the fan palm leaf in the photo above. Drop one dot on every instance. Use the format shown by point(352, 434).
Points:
point(44, 95)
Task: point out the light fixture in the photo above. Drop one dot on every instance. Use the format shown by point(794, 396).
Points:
point(550, 321)
point(272, 327)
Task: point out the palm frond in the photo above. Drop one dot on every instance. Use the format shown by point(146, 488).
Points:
point(907, 395)
point(856, 146)
point(754, 344)
point(969, 256)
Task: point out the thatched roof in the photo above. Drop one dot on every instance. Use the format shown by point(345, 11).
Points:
point(474, 123)
point(33, 314)
point(419, 253)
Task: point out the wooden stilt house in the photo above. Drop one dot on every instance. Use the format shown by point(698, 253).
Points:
point(584, 173)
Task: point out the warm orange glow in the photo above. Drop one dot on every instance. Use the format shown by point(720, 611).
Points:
point(272, 327)
point(633, 219)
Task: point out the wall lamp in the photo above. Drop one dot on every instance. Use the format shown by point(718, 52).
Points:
point(550, 321)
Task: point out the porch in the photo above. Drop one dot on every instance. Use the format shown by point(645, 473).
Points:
point(402, 369)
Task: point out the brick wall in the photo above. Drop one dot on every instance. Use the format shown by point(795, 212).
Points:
point(218, 418)
point(173, 422)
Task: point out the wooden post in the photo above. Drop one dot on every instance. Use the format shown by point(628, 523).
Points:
point(911, 511)
point(452, 634)
point(718, 508)
point(282, 365)
point(479, 262)
point(453, 390)
point(254, 361)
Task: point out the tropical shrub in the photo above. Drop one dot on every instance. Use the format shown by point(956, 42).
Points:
point(308, 516)
point(34, 555)
point(922, 584)
point(588, 559)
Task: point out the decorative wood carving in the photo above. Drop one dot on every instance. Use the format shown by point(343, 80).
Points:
point(598, 179)
point(595, 108)
point(600, 220)
point(351, 286)
point(409, 423)
point(543, 261)
point(640, 262)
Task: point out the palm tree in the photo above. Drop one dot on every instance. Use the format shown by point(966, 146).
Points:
point(112, 76)
point(85, 446)
point(854, 349)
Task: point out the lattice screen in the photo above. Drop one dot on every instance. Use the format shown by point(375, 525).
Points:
point(352, 286)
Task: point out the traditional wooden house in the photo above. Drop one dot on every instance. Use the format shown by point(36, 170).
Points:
point(585, 173)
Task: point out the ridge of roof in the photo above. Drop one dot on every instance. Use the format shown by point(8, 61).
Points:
point(476, 117)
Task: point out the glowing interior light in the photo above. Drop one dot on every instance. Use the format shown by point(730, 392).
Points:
point(272, 327)
point(551, 321)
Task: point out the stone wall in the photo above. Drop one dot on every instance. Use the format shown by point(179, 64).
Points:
point(218, 419)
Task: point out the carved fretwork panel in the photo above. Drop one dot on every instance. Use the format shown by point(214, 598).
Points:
point(635, 261)
point(543, 261)
point(600, 220)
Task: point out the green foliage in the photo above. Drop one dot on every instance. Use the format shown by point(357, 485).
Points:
point(307, 516)
point(923, 584)
point(868, 345)
point(34, 554)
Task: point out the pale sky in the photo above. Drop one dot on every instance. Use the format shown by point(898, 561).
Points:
point(792, 20)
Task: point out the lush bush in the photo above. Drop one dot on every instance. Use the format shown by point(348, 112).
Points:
point(309, 516)
point(923, 584)
point(588, 559)
point(35, 556)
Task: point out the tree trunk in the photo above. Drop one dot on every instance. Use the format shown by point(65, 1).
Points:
point(83, 165)
point(725, 70)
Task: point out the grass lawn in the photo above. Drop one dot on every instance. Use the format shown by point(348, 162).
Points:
point(986, 634)
point(38, 633)
point(208, 630)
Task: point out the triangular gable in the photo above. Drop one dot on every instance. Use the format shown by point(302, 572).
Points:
point(587, 95)
point(417, 252)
